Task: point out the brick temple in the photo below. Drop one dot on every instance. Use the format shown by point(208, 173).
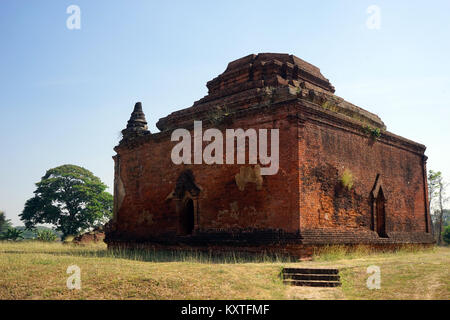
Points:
point(342, 177)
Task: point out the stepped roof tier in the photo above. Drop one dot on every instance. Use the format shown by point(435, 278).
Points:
point(267, 78)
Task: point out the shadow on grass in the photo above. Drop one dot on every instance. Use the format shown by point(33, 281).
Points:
point(151, 255)
point(340, 252)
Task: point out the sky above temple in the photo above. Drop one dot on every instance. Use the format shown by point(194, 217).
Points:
point(65, 94)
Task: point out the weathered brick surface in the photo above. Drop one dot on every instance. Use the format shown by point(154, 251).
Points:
point(305, 203)
point(149, 177)
point(326, 150)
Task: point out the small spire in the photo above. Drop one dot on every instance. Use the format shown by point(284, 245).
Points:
point(137, 123)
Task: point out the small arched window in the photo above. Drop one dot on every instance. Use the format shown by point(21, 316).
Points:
point(379, 209)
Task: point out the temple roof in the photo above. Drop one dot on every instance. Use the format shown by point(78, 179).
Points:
point(258, 79)
point(272, 69)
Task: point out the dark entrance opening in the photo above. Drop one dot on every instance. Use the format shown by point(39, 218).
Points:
point(187, 218)
point(381, 214)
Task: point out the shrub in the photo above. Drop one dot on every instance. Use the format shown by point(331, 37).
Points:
point(218, 115)
point(446, 235)
point(12, 234)
point(46, 235)
point(373, 132)
point(347, 179)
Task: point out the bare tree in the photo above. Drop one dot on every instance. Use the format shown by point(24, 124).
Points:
point(436, 190)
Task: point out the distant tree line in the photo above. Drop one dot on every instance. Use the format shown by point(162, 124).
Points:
point(8, 232)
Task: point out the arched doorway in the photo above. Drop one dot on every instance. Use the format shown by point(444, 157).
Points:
point(187, 217)
point(186, 195)
point(379, 208)
point(381, 214)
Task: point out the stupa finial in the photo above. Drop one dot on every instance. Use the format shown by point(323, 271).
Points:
point(137, 124)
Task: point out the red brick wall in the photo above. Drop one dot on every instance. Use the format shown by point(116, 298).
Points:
point(306, 195)
point(149, 176)
point(326, 151)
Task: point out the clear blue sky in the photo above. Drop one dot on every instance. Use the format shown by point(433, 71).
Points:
point(66, 94)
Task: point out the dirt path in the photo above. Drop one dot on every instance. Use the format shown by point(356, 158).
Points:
point(312, 293)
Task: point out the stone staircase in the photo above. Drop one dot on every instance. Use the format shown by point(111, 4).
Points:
point(311, 277)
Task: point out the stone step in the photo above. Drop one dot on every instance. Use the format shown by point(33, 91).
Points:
point(309, 271)
point(309, 283)
point(318, 277)
point(309, 277)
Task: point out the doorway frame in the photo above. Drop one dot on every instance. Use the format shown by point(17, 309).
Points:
point(378, 191)
point(180, 205)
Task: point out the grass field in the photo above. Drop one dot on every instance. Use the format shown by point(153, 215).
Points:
point(34, 270)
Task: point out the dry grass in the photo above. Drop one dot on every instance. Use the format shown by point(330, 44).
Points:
point(33, 270)
point(409, 273)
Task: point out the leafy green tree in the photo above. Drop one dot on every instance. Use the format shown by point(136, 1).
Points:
point(5, 224)
point(71, 198)
point(12, 234)
point(446, 235)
